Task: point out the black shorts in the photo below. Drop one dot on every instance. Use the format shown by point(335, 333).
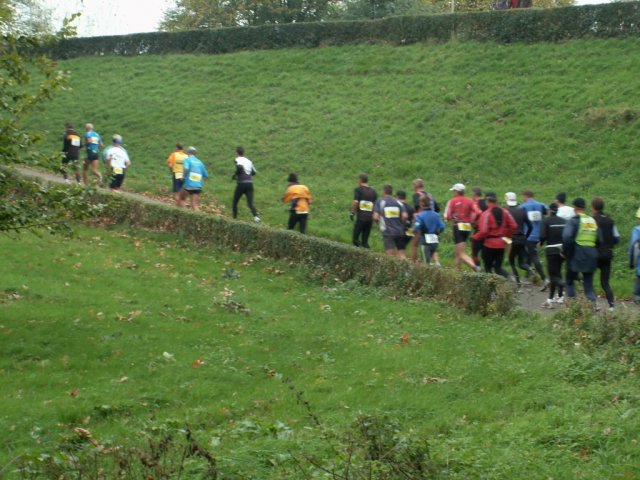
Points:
point(91, 156)
point(395, 242)
point(177, 184)
point(75, 162)
point(459, 236)
point(116, 180)
point(193, 191)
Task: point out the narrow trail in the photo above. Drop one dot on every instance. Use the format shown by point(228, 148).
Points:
point(529, 296)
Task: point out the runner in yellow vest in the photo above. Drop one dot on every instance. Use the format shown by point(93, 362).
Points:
point(579, 239)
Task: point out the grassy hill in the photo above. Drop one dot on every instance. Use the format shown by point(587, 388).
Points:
point(548, 117)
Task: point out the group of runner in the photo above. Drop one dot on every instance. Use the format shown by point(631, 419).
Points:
point(115, 156)
point(580, 242)
point(572, 238)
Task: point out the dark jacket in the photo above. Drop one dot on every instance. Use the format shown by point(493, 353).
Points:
point(579, 258)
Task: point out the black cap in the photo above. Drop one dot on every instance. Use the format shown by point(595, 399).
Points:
point(401, 194)
point(579, 203)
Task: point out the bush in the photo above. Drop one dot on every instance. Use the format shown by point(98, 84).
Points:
point(477, 293)
point(519, 25)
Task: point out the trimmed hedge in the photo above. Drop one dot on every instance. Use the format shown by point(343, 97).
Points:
point(474, 293)
point(518, 25)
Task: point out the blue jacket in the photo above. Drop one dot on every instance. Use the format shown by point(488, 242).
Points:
point(194, 173)
point(535, 212)
point(635, 237)
point(428, 221)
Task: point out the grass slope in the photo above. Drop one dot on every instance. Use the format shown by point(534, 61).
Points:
point(102, 332)
point(549, 117)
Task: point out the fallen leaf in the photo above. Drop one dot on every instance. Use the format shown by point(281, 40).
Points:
point(197, 363)
point(74, 393)
point(405, 338)
point(123, 379)
point(168, 356)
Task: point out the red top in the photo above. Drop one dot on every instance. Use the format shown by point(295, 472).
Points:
point(491, 232)
point(461, 209)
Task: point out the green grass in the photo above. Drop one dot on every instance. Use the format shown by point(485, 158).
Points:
point(548, 117)
point(101, 332)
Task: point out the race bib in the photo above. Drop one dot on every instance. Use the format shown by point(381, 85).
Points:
point(589, 226)
point(178, 175)
point(534, 216)
point(366, 206)
point(392, 212)
point(431, 238)
point(409, 232)
point(464, 227)
point(195, 177)
point(93, 140)
point(118, 170)
point(75, 141)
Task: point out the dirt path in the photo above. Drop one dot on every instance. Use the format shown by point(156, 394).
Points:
point(529, 297)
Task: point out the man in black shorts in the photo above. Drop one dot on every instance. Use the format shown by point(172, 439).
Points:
point(391, 215)
point(71, 148)
point(364, 198)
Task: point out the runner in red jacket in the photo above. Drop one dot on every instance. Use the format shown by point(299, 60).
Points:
point(496, 226)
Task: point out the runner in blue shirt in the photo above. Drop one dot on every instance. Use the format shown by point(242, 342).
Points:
point(428, 224)
point(92, 145)
point(535, 213)
point(194, 174)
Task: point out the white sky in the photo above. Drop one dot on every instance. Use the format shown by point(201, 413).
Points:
point(110, 17)
point(120, 17)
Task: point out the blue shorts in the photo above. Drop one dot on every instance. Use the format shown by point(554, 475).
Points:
point(177, 184)
point(91, 155)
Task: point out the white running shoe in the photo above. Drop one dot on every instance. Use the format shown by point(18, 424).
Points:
point(548, 303)
point(559, 300)
point(256, 219)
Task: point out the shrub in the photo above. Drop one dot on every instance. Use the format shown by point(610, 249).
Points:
point(520, 25)
point(484, 294)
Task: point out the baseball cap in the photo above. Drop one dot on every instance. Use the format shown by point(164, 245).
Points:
point(117, 139)
point(401, 194)
point(579, 203)
point(511, 199)
point(458, 187)
point(191, 150)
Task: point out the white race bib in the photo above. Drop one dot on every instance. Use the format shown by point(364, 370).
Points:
point(93, 140)
point(464, 227)
point(195, 177)
point(431, 238)
point(366, 206)
point(178, 175)
point(117, 171)
point(534, 216)
point(75, 142)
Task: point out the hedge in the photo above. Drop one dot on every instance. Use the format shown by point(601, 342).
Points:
point(506, 26)
point(474, 293)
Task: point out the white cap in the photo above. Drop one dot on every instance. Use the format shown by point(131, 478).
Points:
point(511, 199)
point(191, 150)
point(458, 187)
point(117, 139)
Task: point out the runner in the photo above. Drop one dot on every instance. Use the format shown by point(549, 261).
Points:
point(495, 227)
point(391, 215)
point(194, 174)
point(299, 198)
point(610, 238)
point(476, 245)
point(92, 145)
point(634, 257)
point(579, 239)
point(519, 239)
point(401, 196)
point(536, 212)
point(71, 147)
point(364, 198)
point(551, 234)
point(564, 211)
point(463, 212)
point(118, 162)
point(175, 163)
point(428, 225)
point(244, 177)
point(419, 191)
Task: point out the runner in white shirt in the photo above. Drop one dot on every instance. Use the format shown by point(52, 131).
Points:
point(118, 160)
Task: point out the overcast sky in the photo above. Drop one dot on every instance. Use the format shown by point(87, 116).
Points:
point(119, 17)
